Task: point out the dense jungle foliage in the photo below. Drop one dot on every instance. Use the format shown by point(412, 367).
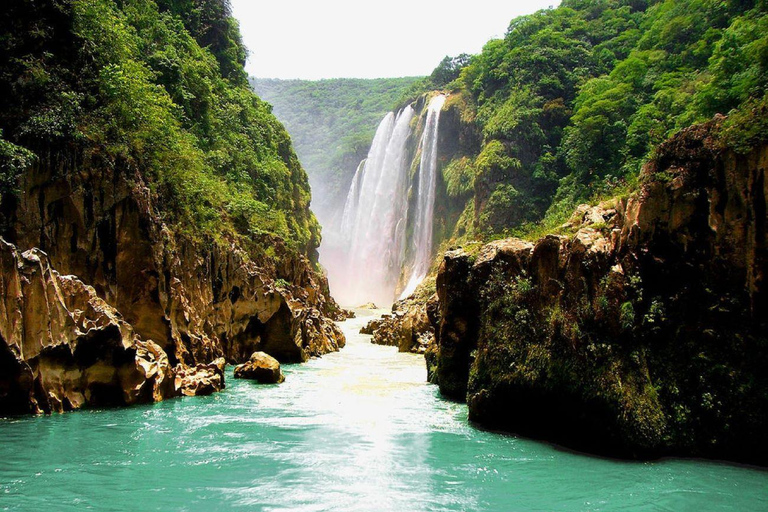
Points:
point(156, 87)
point(573, 101)
point(332, 123)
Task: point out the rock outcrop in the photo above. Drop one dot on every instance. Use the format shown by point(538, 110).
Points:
point(408, 327)
point(262, 368)
point(201, 379)
point(197, 300)
point(63, 347)
point(372, 325)
point(642, 334)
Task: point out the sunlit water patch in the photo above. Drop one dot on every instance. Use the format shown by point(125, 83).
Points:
point(355, 431)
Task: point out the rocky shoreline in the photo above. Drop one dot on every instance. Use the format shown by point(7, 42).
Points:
point(105, 304)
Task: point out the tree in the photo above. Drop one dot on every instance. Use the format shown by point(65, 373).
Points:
point(448, 70)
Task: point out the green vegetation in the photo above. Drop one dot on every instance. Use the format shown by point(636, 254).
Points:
point(156, 87)
point(14, 160)
point(573, 101)
point(332, 123)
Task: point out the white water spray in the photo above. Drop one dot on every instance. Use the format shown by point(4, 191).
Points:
point(425, 200)
point(370, 252)
point(353, 199)
point(373, 226)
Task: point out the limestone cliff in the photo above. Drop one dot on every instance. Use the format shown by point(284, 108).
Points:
point(191, 300)
point(642, 334)
point(62, 347)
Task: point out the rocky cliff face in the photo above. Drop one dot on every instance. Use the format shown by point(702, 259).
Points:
point(62, 347)
point(644, 333)
point(195, 301)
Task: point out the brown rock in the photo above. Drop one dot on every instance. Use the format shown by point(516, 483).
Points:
point(408, 327)
point(262, 368)
point(202, 379)
point(62, 347)
point(196, 300)
point(371, 326)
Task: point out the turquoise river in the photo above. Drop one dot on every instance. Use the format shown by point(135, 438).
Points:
point(358, 430)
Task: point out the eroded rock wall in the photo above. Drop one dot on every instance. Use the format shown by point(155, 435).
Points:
point(62, 347)
point(195, 300)
point(198, 300)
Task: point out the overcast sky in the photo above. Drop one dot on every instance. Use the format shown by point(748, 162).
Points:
point(368, 39)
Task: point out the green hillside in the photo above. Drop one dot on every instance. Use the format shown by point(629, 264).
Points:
point(570, 104)
point(332, 123)
point(156, 88)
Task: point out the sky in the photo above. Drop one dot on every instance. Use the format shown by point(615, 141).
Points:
point(368, 39)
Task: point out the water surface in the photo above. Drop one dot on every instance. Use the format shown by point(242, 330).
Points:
point(354, 431)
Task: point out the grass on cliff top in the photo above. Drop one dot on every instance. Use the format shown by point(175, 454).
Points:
point(555, 222)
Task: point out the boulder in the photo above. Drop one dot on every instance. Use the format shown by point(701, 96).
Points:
point(201, 379)
point(262, 368)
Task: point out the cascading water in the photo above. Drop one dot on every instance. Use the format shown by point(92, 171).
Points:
point(369, 252)
point(353, 199)
point(372, 226)
point(425, 200)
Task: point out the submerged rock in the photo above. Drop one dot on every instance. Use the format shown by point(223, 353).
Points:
point(262, 368)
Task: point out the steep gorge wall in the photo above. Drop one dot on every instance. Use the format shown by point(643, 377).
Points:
point(62, 347)
point(642, 334)
point(192, 300)
point(195, 297)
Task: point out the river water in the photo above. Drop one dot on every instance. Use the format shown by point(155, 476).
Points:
point(359, 430)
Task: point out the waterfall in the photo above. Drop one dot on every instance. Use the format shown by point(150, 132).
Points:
point(373, 225)
point(353, 199)
point(369, 255)
point(425, 200)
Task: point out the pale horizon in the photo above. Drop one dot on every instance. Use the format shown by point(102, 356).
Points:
point(344, 39)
